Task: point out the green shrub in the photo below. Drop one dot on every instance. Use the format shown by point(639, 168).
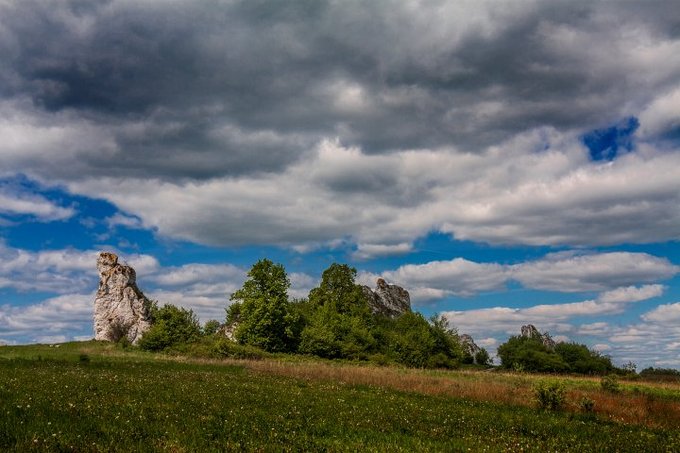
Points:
point(170, 326)
point(550, 396)
point(227, 348)
point(587, 405)
point(610, 384)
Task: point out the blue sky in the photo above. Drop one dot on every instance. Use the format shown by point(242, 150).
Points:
point(505, 165)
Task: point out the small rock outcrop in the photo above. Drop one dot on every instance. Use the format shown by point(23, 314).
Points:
point(469, 345)
point(388, 300)
point(120, 308)
point(530, 331)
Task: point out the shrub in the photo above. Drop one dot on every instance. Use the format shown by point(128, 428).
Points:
point(170, 326)
point(587, 405)
point(550, 396)
point(610, 384)
point(530, 354)
point(211, 327)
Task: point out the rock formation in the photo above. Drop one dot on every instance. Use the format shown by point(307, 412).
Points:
point(469, 345)
point(531, 331)
point(387, 300)
point(120, 308)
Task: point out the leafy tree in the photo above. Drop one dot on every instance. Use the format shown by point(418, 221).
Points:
point(211, 327)
point(582, 360)
point(482, 357)
point(170, 326)
point(262, 311)
point(339, 321)
point(529, 354)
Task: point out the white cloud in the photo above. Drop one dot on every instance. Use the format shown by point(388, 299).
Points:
point(665, 314)
point(368, 251)
point(564, 272)
point(33, 205)
point(553, 317)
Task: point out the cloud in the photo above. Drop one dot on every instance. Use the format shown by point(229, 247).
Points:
point(664, 314)
point(553, 317)
point(564, 272)
point(292, 124)
point(21, 203)
point(368, 251)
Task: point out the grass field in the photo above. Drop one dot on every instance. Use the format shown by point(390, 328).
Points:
point(97, 397)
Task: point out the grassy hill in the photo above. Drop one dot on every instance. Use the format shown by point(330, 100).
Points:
point(92, 396)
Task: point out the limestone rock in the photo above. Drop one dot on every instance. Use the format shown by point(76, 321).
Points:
point(120, 308)
point(388, 300)
point(469, 345)
point(531, 331)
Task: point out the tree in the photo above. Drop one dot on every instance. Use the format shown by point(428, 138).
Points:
point(339, 323)
point(261, 309)
point(211, 327)
point(582, 360)
point(482, 357)
point(529, 353)
point(170, 326)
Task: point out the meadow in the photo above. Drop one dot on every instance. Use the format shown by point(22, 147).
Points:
point(92, 396)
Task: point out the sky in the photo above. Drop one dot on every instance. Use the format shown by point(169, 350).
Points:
point(507, 162)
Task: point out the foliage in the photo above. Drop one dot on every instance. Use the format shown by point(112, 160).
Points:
point(261, 309)
point(660, 374)
point(587, 405)
point(211, 327)
point(580, 359)
point(610, 384)
point(339, 321)
point(482, 357)
point(530, 354)
point(550, 396)
point(171, 325)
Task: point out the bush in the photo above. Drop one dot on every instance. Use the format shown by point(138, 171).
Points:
point(610, 384)
point(482, 357)
point(582, 360)
point(170, 326)
point(587, 405)
point(531, 355)
point(211, 327)
point(550, 396)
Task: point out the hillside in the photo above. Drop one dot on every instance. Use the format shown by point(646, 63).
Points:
point(95, 396)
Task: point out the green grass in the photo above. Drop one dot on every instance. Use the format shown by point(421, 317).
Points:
point(57, 399)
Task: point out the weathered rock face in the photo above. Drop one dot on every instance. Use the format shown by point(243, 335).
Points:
point(388, 300)
point(120, 308)
point(469, 345)
point(531, 331)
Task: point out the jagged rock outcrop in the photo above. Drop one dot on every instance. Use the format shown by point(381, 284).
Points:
point(469, 346)
point(531, 331)
point(388, 300)
point(120, 308)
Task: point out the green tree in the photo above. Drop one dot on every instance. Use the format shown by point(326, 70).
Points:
point(339, 321)
point(211, 327)
point(482, 357)
point(170, 326)
point(582, 360)
point(261, 309)
point(530, 354)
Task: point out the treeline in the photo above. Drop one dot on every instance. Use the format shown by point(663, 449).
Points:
point(336, 322)
point(529, 353)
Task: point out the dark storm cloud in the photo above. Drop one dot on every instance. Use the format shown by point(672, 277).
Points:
point(205, 89)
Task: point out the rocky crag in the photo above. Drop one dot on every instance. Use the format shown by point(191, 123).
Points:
point(120, 308)
point(469, 346)
point(530, 331)
point(388, 300)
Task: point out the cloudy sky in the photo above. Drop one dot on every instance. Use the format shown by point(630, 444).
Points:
point(506, 162)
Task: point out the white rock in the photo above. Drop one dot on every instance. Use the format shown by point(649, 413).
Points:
point(120, 308)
